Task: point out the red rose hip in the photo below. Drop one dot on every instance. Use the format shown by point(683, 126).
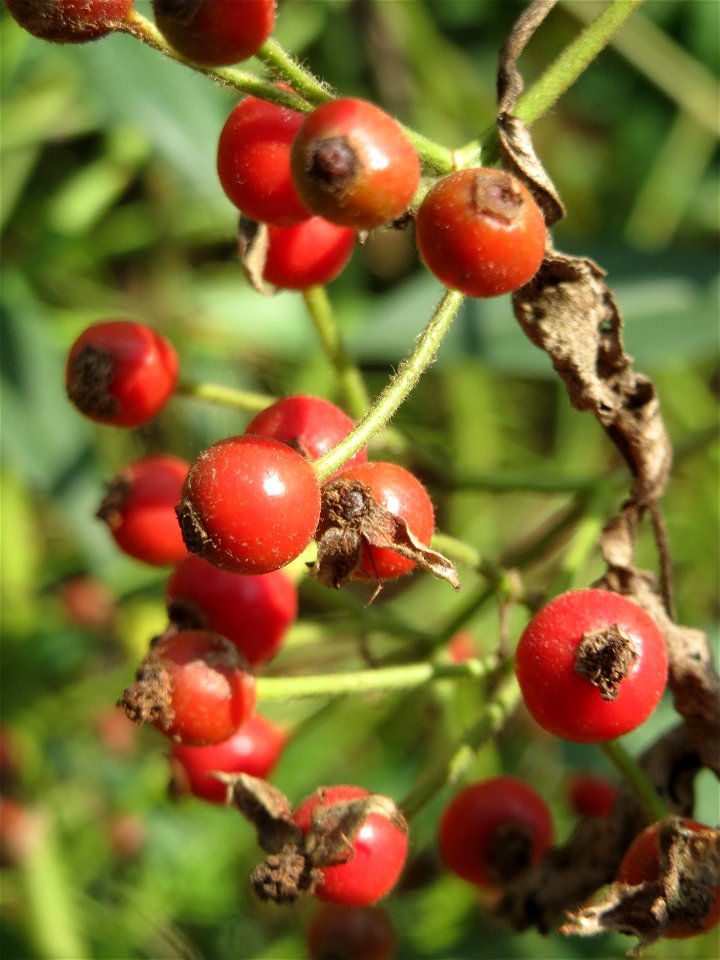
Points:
point(493, 830)
point(139, 509)
point(311, 425)
point(252, 611)
point(121, 373)
point(215, 33)
point(69, 21)
point(194, 687)
point(352, 164)
point(253, 749)
point(376, 859)
point(307, 254)
point(480, 232)
point(250, 504)
point(253, 162)
point(592, 665)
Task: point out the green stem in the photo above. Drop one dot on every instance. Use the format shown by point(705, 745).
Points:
point(575, 58)
point(402, 384)
point(349, 378)
point(458, 758)
point(226, 396)
point(282, 65)
point(635, 778)
point(560, 75)
point(368, 681)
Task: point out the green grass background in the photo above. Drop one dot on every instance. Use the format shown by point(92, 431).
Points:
point(110, 206)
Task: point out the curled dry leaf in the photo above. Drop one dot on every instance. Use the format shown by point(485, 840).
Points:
point(350, 517)
point(334, 828)
point(253, 242)
point(266, 807)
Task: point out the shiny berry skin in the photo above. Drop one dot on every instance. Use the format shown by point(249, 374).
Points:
point(311, 425)
point(493, 830)
point(253, 162)
point(69, 21)
point(215, 33)
point(139, 509)
point(352, 164)
point(591, 796)
point(399, 492)
point(121, 373)
point(194, 687)
point(347, 933)
point(252, 611)
point(253, 749)
point(308, 254)
point(641, 864)
point(480, 231)
point(550, 652)
point(250, 504)
point(379, 852)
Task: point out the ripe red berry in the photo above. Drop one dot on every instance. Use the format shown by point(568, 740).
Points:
point(253, 749)
point(69, 21)
point(307, 254)
point(250, 504)
point(311, 425)
point(591, 796)
point(346, 933)
point(139, 509)
point(399, 492)
point(378, 852)
point(253, 162)
point(592, 665)
point(252, 611)
point(352, 164)
point(480, 231)
point(121, 373)
point(215, 33)
point(493, 830)
point(194, 687)
point(642, 864)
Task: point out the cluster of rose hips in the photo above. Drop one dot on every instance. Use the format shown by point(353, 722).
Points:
point(591, 665)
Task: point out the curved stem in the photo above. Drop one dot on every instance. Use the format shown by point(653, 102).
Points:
point(282, 65)
point(636, 779)
point(461, 754)
point(559, 76)
point(575, 58)
point(369, 681)
point(323, 318)
point(226, 396)
point(408, 374)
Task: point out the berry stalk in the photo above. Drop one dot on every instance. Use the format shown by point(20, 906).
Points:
point(398, 389)
point(636, 779)
point(452, 767)
point(369, 681)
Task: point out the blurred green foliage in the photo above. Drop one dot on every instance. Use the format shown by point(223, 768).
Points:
point(110, 206)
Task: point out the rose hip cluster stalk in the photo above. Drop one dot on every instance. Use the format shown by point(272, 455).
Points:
point(591, 665)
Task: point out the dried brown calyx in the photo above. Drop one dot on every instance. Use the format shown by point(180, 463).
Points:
point(510, 852)
point(112, 504)
point(91, 374)
point(149, 699)
point(295, 859)
point(605, 657)
point(350, 519)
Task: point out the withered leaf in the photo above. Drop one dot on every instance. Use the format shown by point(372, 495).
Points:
point(266, 807)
